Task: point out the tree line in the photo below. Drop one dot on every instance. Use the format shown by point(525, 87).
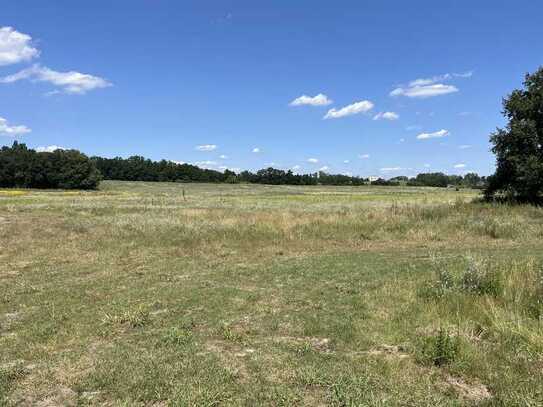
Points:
point(69, 169)
point(22, 167)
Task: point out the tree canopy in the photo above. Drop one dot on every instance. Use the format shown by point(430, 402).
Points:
point(66, 169)
point(518, 147)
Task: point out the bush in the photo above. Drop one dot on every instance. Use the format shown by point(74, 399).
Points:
point(481, 278)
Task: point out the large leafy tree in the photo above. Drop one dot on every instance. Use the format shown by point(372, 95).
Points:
point(519, 146)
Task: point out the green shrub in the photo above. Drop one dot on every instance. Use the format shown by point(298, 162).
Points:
point(481, 278)
point(440, 349)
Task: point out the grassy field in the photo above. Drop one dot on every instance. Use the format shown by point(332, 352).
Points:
point(142, 294)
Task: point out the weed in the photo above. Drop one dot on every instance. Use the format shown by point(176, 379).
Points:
point(440, 349)
point(482, 278)
point(177, 337)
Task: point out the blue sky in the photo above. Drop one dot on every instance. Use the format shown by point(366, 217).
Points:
point(391, 88)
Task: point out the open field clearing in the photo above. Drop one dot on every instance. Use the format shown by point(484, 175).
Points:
point(205, 295)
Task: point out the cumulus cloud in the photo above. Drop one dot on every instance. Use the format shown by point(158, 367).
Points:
point(256, 150)
point(429, 87)
point(15, 47)
point(12, 131)
point(359, 107)
point(386, 116)
point(313, 160)
point(206, 147)
point(71, 82)
point(435, 134)
point(318, 100)
point(49, 149)
point(324, 168)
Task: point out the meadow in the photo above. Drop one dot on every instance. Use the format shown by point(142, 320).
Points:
point(177, 294)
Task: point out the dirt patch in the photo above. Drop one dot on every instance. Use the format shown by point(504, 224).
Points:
point(318, 344)
point(389, 351)
point(474, 392)
point(231, 358)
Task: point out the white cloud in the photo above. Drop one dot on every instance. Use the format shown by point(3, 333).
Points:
point(324, 168)
point(427, 165)
point(402, 140)
point(256, 150)
point(464, 146)
point(178, 162)
point(363, 156)
point(205, 164)
point(436, 134)
point(424, 91)
point(355, 108)
point(386, 116)
point(71, 82)
point(12, 131)
point(318, 100)
point(346, 161)
point(439, 78)
point(206, 147)
point(49, 149)
point(312, 160)
point(296, 167)
point(413, 127)
point(460, 166)
point(15, 47)
point(223, 157)
point(391, 169)
point(429, 87)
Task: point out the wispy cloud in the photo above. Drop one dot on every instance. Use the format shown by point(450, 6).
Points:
point(324, 168)
point(49, 149)
point(318, 100)
point(223, 157)
point(15, 47)
point(256, 150)
point(358, 107)
point(436, 134)
point(386, 116)
point(346, 161)
point(12, 131)
point(206, 164)
point(464, 146)
point(71, 82)
point(206, 147)
point(391, 169)
point(313, 160)
point(460, 165)
point(363, 156)
point(296, 167)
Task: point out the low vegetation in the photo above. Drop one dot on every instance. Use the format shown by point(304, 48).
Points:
point(217, 294)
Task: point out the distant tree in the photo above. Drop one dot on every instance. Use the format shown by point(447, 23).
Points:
point(519, 146)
